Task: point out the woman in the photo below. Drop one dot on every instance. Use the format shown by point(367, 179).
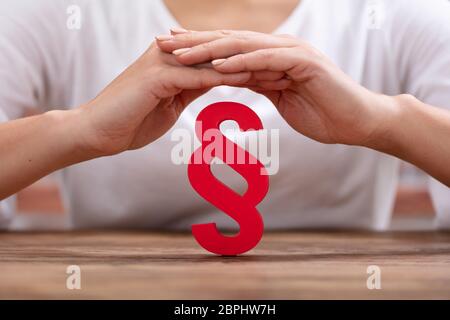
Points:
point(349, 92)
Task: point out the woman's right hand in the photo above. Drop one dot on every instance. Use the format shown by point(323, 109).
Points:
point(320, 101)
point(144, 102)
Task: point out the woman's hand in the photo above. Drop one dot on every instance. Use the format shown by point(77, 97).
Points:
point(134, 110)
point(320, 101)
point(314, 96)
point(145, 101)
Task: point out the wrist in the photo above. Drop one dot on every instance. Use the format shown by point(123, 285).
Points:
point(394, 120)
point(67, 127)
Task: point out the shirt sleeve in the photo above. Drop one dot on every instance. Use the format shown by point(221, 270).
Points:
point(422, 37)
point(27, 62)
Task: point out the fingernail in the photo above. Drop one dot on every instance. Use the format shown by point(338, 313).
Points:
point(218, 62)
point(179, 30)
point(181, 51)
point(164, 37)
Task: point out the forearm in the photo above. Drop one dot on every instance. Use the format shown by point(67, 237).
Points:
point(419, 134)
point(31, 148)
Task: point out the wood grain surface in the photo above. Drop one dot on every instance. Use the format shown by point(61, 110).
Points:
point(294, 265)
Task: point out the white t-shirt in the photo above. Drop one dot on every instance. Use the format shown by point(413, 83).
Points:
point(389, 46)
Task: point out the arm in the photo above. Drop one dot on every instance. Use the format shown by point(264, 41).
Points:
point(419, 134)
point(33, 147)
point(421, 47)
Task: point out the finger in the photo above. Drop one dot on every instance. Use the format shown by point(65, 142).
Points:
point(177, 30)
point(276, 85)
point(192, 38)
point(266, 83)
point(192, 79)
point(267, 75)
point(230, 46)
point(278, 59)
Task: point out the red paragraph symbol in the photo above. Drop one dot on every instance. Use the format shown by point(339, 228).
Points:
point(242, 209)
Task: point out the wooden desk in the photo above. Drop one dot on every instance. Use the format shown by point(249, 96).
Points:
point(171, 266)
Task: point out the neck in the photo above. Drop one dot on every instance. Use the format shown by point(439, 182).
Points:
point(257, 15)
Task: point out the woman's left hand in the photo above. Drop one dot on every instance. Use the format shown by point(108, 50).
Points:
point(312, 94)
